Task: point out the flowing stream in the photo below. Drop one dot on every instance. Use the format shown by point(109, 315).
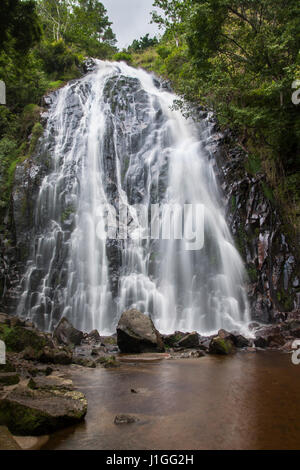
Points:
point(113, 145)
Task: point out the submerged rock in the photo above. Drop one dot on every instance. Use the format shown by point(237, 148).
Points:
point(66, 334)
point(125, 419)
point(136, 333)
point(28, 412)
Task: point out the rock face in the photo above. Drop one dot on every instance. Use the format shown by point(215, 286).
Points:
point(269, 252)
point(136, 333)
point(36, 412)
point(66, 334)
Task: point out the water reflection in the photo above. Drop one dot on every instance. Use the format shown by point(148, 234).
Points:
point(248, 401)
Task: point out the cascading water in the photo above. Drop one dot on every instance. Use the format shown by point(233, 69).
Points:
point(113, 141)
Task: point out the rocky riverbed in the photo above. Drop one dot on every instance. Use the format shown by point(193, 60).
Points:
point(37, 394)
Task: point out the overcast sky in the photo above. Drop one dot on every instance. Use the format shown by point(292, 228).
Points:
point(131, 19)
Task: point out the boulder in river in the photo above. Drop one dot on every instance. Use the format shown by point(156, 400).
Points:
point(28, 412)
point(219, 345)
point(136, 333)
point(94, 336)
point(189, 341)
point(66, 334)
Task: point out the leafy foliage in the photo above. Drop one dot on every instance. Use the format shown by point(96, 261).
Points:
point(240, 58)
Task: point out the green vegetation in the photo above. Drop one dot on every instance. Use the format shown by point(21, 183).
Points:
point(43, 44)
point(239, 58)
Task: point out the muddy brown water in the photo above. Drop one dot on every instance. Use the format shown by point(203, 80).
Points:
point(247, 401)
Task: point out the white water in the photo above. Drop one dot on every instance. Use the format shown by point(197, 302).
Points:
point(112, 138)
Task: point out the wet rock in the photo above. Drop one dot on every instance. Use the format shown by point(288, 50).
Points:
point(261, 342)
point(30, 412)
point(189, 341)
point(9, 378)
point(66, 334)
point(219, 345)
point(108, 361)
point(241, 342)
point(125, 419)
point(50, 383)
point(253, 325)
point(136, 333)
point(171, 340)
point(84, 362)
point(18, 338)
point(94, 336)
point(41, 370)
point(49, 355)
point(89, 65)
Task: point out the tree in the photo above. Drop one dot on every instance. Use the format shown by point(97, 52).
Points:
point(90, 27)
point(19, 25)
point(55, 16)
point(143, 43)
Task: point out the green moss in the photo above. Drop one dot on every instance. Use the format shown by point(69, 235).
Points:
point(267, 192)
point(18, 338)
point(253, 164)
point(108, 361)
point(66, 213)
point(252, 273)
point(221, 346)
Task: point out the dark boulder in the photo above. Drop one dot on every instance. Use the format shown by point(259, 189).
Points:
point(189, 341)
point(219, 345)
point(66, 334)
point(136, 333)
point(241, 342)
point(172, 339)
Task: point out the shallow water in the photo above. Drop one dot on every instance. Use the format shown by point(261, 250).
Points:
point(247, 401)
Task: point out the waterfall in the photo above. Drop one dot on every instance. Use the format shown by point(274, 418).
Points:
point(112, 140)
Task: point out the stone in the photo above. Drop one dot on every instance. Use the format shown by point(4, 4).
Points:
point(108, 361)
point(172, 340)
point(241, 342)
point(94, 336)
point(66, 334)
point(125, 419)
point(7, 442)
point(9, 378)
point(261, 342)
point(18, 338)
point(50, 383)
point(189, 341)
point(49, 355)
point(28, 412)
point(84, 361)
point(220, 345)
point(136, 333)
